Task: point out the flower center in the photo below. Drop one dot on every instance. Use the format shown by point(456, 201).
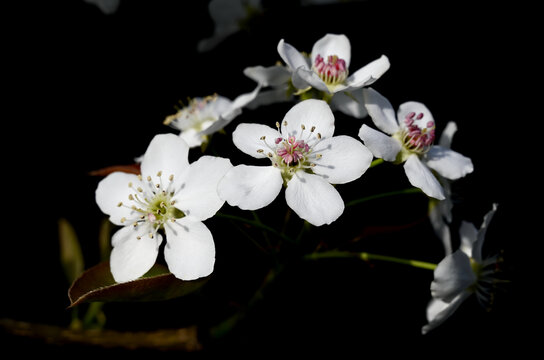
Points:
point(292, 153)
point(333, 71)
point(151, 203)
point(416, 135)
point(195, 115)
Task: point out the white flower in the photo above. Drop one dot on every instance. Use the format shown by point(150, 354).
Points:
point(461, 274)
point(304, 156)
point(204, 116)
point(411, 142)
point(170, 195)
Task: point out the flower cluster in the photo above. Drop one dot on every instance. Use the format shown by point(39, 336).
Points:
point(301, 156)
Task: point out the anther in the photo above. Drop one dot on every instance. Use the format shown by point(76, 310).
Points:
point(130, 184)
point(148, 178)
point(120, 204)
point(260, 151)
point(159, 174)
point(284, 123)
point(312, 129)
point(140, 177)
point(139, 189)
point(130, 197)
point(123, 219)
point(171, 177)
point(319, 136)
point(302, 127)
point(263, 137)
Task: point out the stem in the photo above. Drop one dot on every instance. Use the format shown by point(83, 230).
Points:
point(382, 195)
point(369, 256)
point(376, 162)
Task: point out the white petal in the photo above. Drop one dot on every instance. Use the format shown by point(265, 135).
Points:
point(248, 138)
point(439, 311)
point(380, 111)
point(438, 212)
point(167, 153)
point(332, 44)
point(250, 187)
point(477, 248)
point(111, 191)
point(382, 146)
point(421, 177)
point(368, 74)
point(448, 163)
point(227, 114)
point(468, 235)
point(134, 252)
point(447, 134)
point(291, 56)
point(414, 107)
point(268, 76)
point(190, 249)
point(303, 77)
point(313, 199)
point(312, 114)
point(192, 137)
point(351, 104)
point(198, 196)
point(268, 97)
point(452, 276)
point(343, 159)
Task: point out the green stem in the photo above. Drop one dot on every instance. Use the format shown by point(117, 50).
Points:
point(376, 162)
point(369, 256)
point(382, 195)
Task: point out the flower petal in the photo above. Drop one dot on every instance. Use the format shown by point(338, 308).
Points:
point(421, 177)
point(414, 107)
point(468, 235)
point(477, 247)
point(291, 56)
point(351, 104)
point(343, 159)
point(313, 199)
point(111, 191)
point(134, 252)
point(268, 97)
point(447, 134)
point(190, 249)
point(303, 78)
point(268, 76)
point(452, 276)
point(439, 311)
point(198, 196)
point(168, 154)
point(448, 163)
point(366, 75)
point(332, 44)
point(382, 146)
point(227, 114)
point(192, 137)
point(250, 187)
point(380, 111)
point(312, 114)
point(248, 138)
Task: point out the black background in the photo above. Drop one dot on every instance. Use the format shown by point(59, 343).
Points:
point(87, 90)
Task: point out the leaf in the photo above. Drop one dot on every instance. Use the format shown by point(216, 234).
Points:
point(97, 284)
point(130, 168)
point(71, 257)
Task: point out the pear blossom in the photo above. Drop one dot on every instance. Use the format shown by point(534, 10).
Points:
point(170, 195)
point(461, 274)
point(412, 133)
point(274, 82)
point(327, 70)
point(304, 157)
point(204, 116)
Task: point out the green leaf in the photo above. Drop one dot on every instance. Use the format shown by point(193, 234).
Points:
point(71, 257)
point(97, 284)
